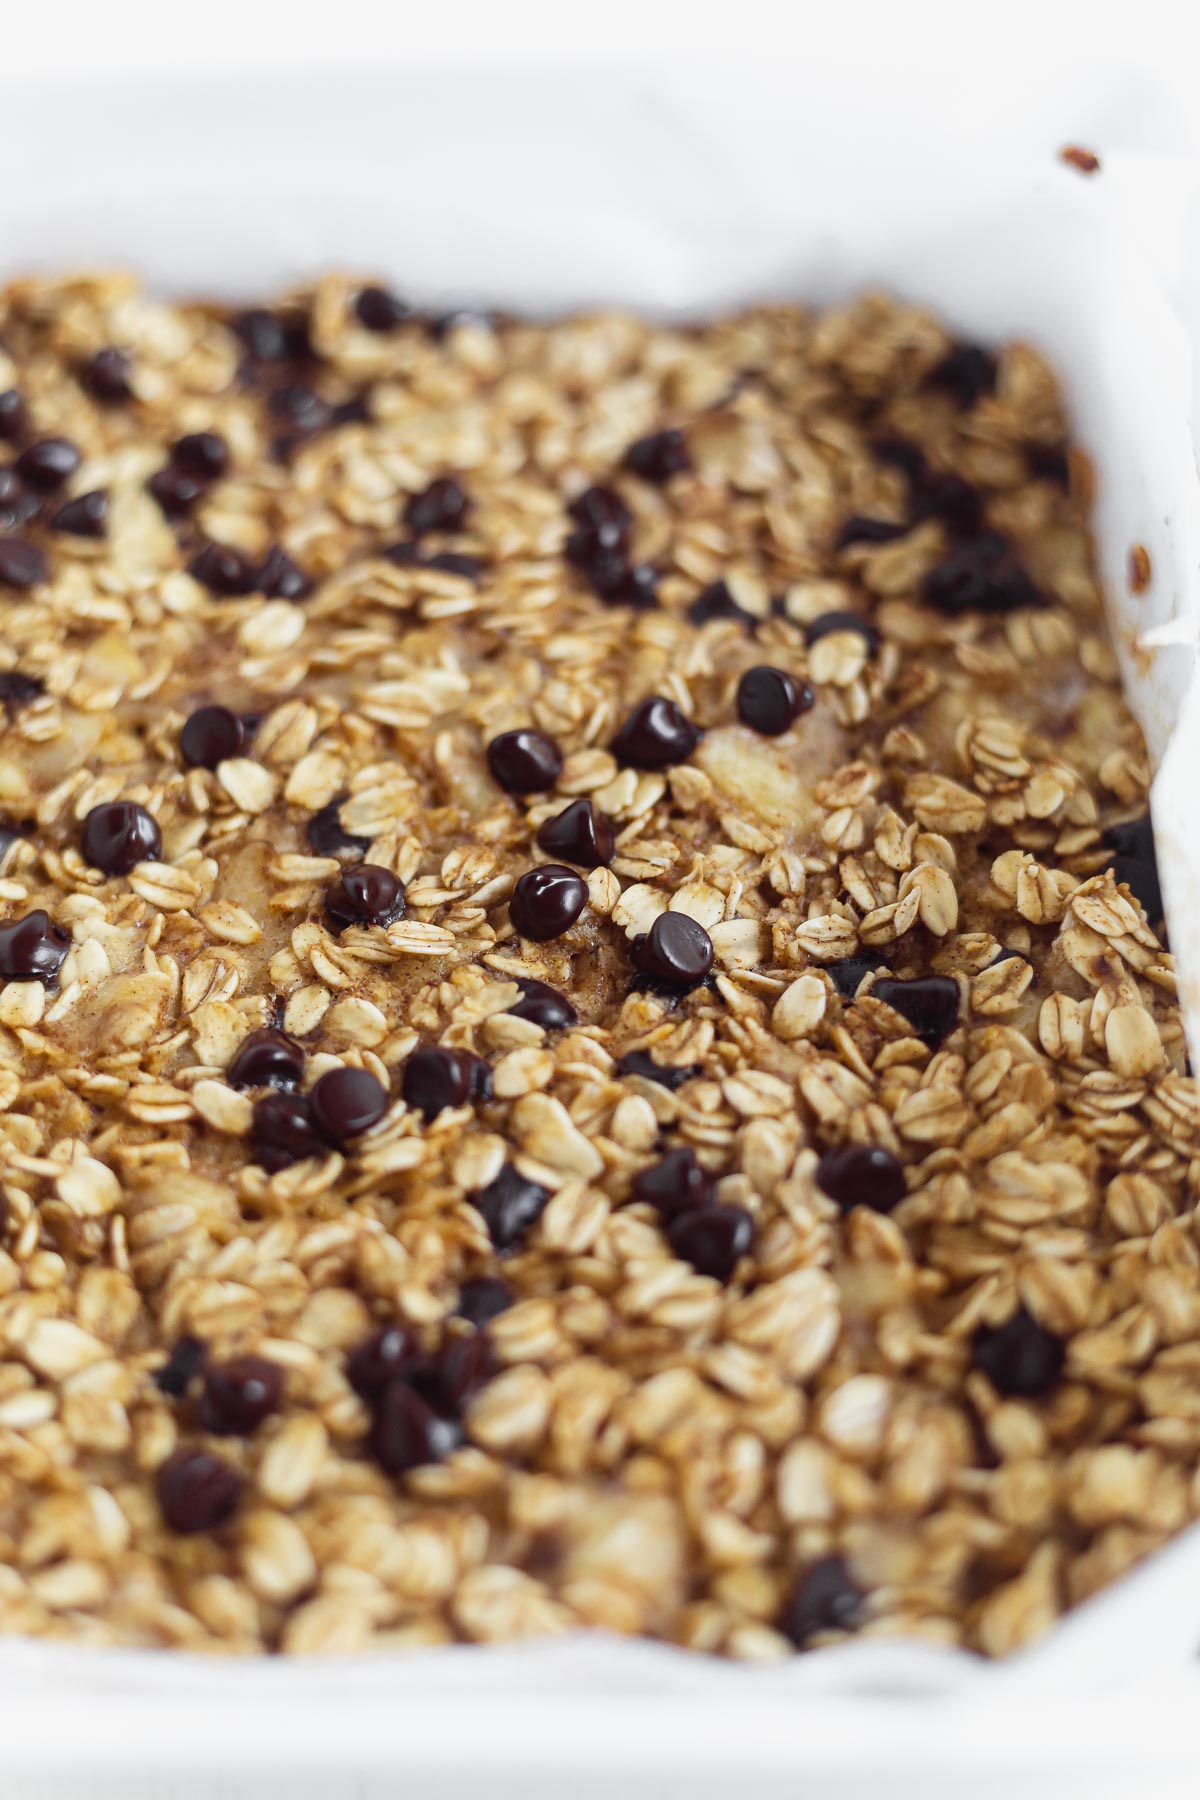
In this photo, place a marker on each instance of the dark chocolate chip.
(176, 490)
(378, 1360)
(1050, 462)
(675, 1184)
(32, 948)
(928, 1002)
(267, 1058)
(197, 1491)
(106, 376)
(211, 735)
(483, 1084)
(635, 587)
(119, 835)
(204, 454)
(367, 894)
(641, 1064)
(580, 835)
(283, 1132)
(281, 578)
(862, 1175)
(299, 408)
(849, 972)
(22, 565)
(712, 1239)
(327, 837)
(544, 1005)
(378, 309)
(966, 373)
(675, 953)
(18, 690)
(860, 530)
(435, 1078)
(716, 602)
(770, 700)
(524, 761)
(1019, 1357)
(657, 457)
(547, 901)
(14, 420)
(264, 334)
(352, 412)
(239, 1394)
(224, 570)
(85, 516)
(510, 1205)
(952, 500)
(47, 463)
(656, 735)
(406, 1431)
(18, 504)
(346, 1102)
(451, 1378)
(830, 622)
(184, 1362)
(981, 574)
(483, 1299)
(443, 506)
(900, 453)
(603, 510)
(825, 1598)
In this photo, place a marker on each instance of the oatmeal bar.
(586, 1035)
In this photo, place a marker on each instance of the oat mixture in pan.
(586, 1035)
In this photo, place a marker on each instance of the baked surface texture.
(815, 1253)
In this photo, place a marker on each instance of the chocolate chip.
(224, 570)
(547, 901)
(1136, 864)
(14, 420)
(283, 1132)
(849, 972)
(435, 1078)
(580, 835)
(1050, 462)
(1019, 1357)
(928, 1002)
(18, 690)
(830, 622)
(860, 530)
(300, 408)
(366, 895)
(281, 578)
(239, 1394)
(511, 1206)
(952, 500)
(450, 1378)
(264, 334)
(635, 587)
(712, 1239)
(641, 1064)
(184, 1362)
(18, 504)
(352, 412)
(862, 1175)
(47, 463)
(211, 735)
(483, 1299)
(966, 373)
(327, 837)
(676, 952)
(717, 602)
(524, 761)
(542, 1004)
(378, 1360)
(981, 574)
(197, 1491)
(770, 700)
(85, 516)
(483, 1085)
(455, 562)
(443, 506)
(119, 835)
(603, 510)
(267, 1058)
(204, 454)
(675, 1184)
(825, 1598)
(378, 309)
(346, 1102)
(600, 553)
(32, 948)
(900, 453)
(657, 457)
(106, 376)
(176, 490)
(656, 735)
(22, 565)
(407, 1432)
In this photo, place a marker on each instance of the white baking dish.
(677, 191)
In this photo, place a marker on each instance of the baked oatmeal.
(587, 1037)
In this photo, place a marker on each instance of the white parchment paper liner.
(679, 191)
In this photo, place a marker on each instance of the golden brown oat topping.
(794, 1231)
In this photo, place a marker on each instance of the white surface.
(677, 191)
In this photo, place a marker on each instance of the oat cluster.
(851, 1286)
